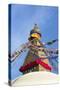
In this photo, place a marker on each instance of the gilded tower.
(36, 59)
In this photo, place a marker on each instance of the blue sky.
(23, 18)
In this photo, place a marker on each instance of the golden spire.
(35, 33)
